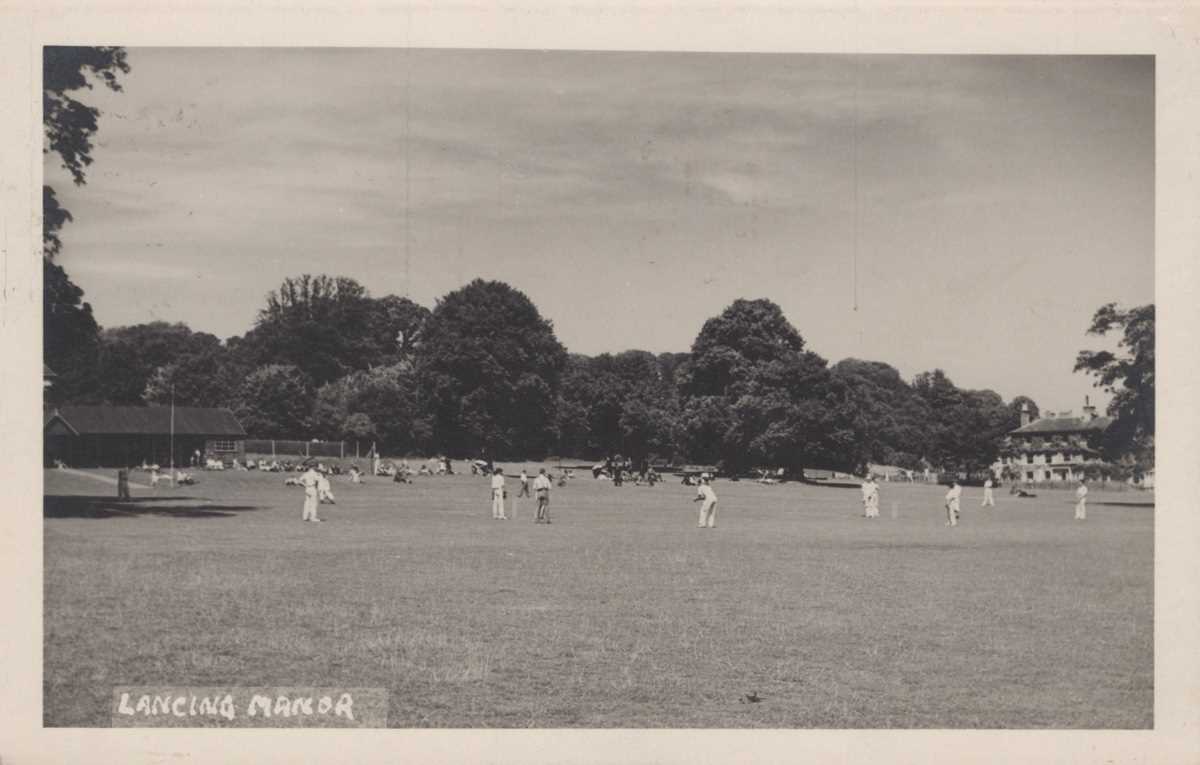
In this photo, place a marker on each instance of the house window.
(222, 446)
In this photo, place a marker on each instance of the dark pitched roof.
(1065, 425)
(147, 420)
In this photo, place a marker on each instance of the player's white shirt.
(524, 477)
(497, 482)
(954, 493)
(1081, 492)
(870, 489)
(541, 482)
(707, 493)
(987, 484)
(322, 482)
(311, 479)
(866, 489)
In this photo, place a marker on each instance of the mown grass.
(620, 614)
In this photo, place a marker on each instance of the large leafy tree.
(208, 375)
(330, 326)
(130, 357)
(752, 395)
(966, 428)
(490, 369)
(1128, 375)
(895, 416)
(274, 401)
(379, 404)
(626, 403)
(1015, 408)
(69, 123)
(70, 334)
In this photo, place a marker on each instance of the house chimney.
(1026, 417)
(1089, 411)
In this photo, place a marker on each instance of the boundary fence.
(286, 448)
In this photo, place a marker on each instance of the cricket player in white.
(309, 481)
(870, 492)
(498, 495)
(989, 500)
(324, 490)
(708, 510)
(952, 498)
(541, 487)
(1081, 501)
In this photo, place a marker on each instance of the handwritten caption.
(207, 707)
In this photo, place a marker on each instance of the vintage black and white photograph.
(403, 387)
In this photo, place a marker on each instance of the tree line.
(482, 372)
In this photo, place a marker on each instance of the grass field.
(620, 614)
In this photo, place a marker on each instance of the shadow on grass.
(81, 506)
(1124, 504)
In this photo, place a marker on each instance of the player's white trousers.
(708, 513)
(1081, 510)
(497, 504)
(310, 505)
(988, 499)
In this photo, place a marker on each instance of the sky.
(967, 213)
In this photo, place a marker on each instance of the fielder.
(988, 499)
(708, 510)
(1081, 501)
(309, 481)
(524, 492)
(870, 493)
(324, 490)
(541, 486)
(952, 498)
(498, 495)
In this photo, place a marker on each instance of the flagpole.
(172, 434)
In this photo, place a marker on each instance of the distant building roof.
(146, 420)
(1064, 425)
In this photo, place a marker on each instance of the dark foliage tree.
(894, 415)
(70, 336)
(490, 370)
(627, 403)
(379, 404)
(1129, 376)
(1017, 405)
(330, 326)
(966, 428)
(274, 401)
(206, 376)
(752, 396)
(70, 124)
(70, 333)
(129, 357)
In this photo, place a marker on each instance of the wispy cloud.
(607, 179)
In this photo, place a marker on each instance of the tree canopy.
(70, 124)
(752, 396)
(71, 341)
(1128, 375)
(490, 369)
